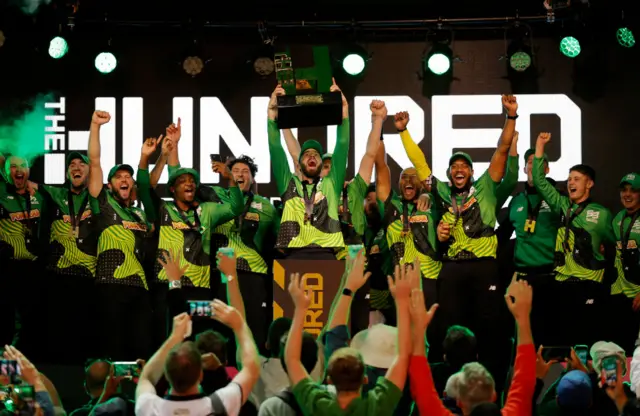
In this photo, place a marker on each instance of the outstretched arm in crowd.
(169, 149)
(144, 181)
(510, 180)
(383, 175)
(378, 116)
(499, 159)
(301, 302)
(548, 192)
(31, 376)
(293, 146)
(338, 170)
(95, 167)
(279, 162)
(356, 278)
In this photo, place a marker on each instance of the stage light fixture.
(438, 60)
(106, 62)
(570, 46)
(353, 59)
(625, 37)
(193, 65)
(437, 68)
(58, 47)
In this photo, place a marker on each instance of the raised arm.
(144, 180)
(95, 168)
(279, 162)
(383, 174)
(338, 170)
(293, 146)
(167, 148)
(301, 301)
(548, 192)
(378, 116)
(499, 159)
(415, 154)
(510, 180)
(355, 280)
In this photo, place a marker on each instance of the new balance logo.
(492, 287)
(589, 302)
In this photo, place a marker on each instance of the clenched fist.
(378, 109)
(100, 117)
(544, 138)
(444, 231)
(272, 111)
(400, 120)
(510, 104)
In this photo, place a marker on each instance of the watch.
(512, 117)
(347, 292)
(176, 284)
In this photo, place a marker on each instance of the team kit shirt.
(352, 217)
(626, 228)
(72, 238)
(411, 233)
(20, 217)
(310, 217)
(380, 264)
(123, 231)
(584, 228)
(509, 182)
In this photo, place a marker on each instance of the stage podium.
(323, 277)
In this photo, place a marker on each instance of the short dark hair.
(371, 187)
(253, 168)
(211, 341)
(346, 369)
(277, 330)
(585, 170)
(308, 352)
(183, 367)
(460, 346)
(96, 373)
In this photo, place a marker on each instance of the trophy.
(308, 101)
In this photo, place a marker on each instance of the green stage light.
(106, 62)
(353, 64)
(625, 37)
(520, 61)
(58, 47)
(570, 46)
(438, 63)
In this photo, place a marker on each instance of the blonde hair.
(475, 385)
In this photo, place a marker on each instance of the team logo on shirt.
(67, 218)
(466, 206)
(179, 226)
(252, 216)
(134, 226)
(257, 205)
(592, 216)
(374, 250)
(20, 216)
(416, 218)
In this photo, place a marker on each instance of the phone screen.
(354, 249)
(10, 369)
(556, 353)
(126, 369)
(582, 351)
(200, 308)
(216, 158)
(609, 369)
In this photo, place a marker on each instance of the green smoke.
(24, 136)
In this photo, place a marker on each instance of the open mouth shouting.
(19, 179)
(408, 190)
(573, 191)
(459, 179)
(189, 192)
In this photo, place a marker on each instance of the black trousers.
(124, 330)
(71, 299)
(624, 322)
(21, 307)
(257, 295)
(470, 293)
(543, 311)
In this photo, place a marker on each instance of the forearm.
(144, 162)
(340, 315)
(234, 295)
(174, 158)
(548, 193)
(404, 328)
(154, 368)
(279, 162)
(419, 344)
(338, 170)
(383, 175)
(416, 155)
(293, 347)
(525, 337)
(373, 142)
(236, 198)
(293, 146)
(157, 170)
(248, 351)
(93, 149)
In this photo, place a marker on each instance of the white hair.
(475, 385)
(453, 386)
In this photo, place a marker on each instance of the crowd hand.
(32, 187)
(272, 111)
(444, 231)
(170, 261)
(615, 391)
(100, 117)
(301, 298)
(542, 366)
(420, 316)
(519, 297)
(424, 202)
(357, 277)
(222, 169)
(181, 324)
(510, 104)
(111, 385)
(167, 146)
(174, 131)
(227, 315)
(574, 362)
(400, 120)
(210, 361)
(378, 109)
(226, 264)
(29, 372)
(543, 138)
(150, 145)
(406, 278)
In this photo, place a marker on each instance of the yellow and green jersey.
(20, 223)
(626, 228)
(352, 216)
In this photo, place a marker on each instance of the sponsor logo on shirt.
(257, 205)
(520, 209)
(20, 216)
(466, 206)
(416, 218)
(134, 226)
(374, 250)
(67, 218)
(592, 216)
(252, 216)
(179, 226)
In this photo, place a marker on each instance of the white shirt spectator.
(201, 405)
(635, 372)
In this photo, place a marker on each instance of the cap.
(533, 152)
(308, 145)
(116, 168)
(77, 155)
(183, 171)
(602, 349)
(574, 390)
(461, 155)
(327, 156)
(632, 179)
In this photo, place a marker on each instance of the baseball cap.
(574, 390)
(327, 156)
(308, 145)
(116, 168)
(77, 155)
(632, 179)
(602, 349)
(461, 155)
(533, 152)
(183, 171)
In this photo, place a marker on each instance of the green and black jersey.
(626, 228)
(410, 234)
(352, 217)
(20, 223)
(380, 264)
(321, 228)
(188, 233)
(73, 240)
(584, 229)
(472, 219)
(509, 182)
(122, 233)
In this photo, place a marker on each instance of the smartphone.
(354, 249)
(10, 369)
(582, 351)
(227, 251)
(200, 308)
(609, 369)
(126, 369)
(216, 158)
(556, 353)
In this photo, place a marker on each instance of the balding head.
(183, 367)
(96, 374)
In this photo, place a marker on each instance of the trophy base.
(311, 110)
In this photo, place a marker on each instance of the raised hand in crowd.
(575, 363)
(378, 109)
(272, 111)
(171, 264)
(513, 150)
(222, 169)
(227, 315)
(400, 120)
(510, 104)
(519, 297)
(444, 231)
(357, 276)
(424, 202)
(543, 366)
(100, 117)
(29, 373)
(174, 131)
(150, 145)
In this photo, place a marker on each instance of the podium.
(323, 277)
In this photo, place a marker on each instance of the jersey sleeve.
(338, 170)
(279, 162)
(220, 213)
(173, 169)
(549, 194)
(356, 192)
(509, 182)
(147, 195)
(416, 156)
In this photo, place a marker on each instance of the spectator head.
(476, 386)
(95, 375)
(378, 345)
(452, 387)
(574, 391)
(602, 349)
(213, 342)
(183, 368)
(308, 352)
(277, 330)
(459, 346)
(346, 370)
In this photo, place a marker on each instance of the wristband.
(347, 292)
(381, 137)
(400, 131)
(512, 117)
(176, 284)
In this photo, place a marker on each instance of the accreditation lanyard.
(309, 199)
(568, 219)
(532, 214)
(624, 235)
(196, 219)
(454, 204)
(75, 219)
(240, 218)
(345, 215)
(406, 217)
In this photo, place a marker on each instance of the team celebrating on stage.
(95, 270)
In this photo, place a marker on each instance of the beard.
(308, 174)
